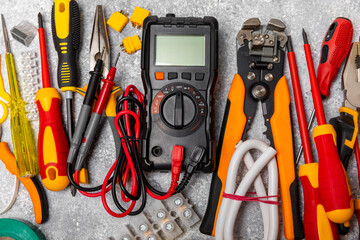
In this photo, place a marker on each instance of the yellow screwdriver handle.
(21, 132)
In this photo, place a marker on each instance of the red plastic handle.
(335, 47)
(53, 146)
(105, 91)
(316, 223)
(334, 188)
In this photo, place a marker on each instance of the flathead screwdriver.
(21, 132)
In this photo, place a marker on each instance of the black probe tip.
(40, 20)
(289, 45)
(305, 37)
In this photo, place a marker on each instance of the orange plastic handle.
(32, 185)
(53, 146)
(282, 135)
(316, 223)
(231, 133)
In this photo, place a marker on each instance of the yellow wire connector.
(138, 16)
(131, 44)
(118, 20)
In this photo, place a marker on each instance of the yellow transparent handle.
(21, 132)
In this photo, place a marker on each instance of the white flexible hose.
(229, 208)
(13, 198)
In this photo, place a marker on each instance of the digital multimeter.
(179, 61)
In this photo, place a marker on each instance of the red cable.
(129, 170)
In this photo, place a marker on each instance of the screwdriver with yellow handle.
(65, 24)
(53, 146)
(21, 132)
(333, 183)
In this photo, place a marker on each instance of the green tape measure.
(18, 230)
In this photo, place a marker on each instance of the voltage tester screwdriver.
(316, 223)
(334, 189)
(21, 132)
(65, 24)
(53, 146)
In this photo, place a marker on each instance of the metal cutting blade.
(100, 41)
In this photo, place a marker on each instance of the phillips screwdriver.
(65, 24)
(334, 190)
(53, 146)
(21, 132)
(335, 47)
(96, 116)
(316, 224)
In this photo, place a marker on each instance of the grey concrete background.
(85, 218)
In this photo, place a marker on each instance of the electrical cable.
(126, 170)
(229, 207)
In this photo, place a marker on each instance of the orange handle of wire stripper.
(232, 130)
(282, 135)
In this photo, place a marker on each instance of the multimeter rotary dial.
(179, 106)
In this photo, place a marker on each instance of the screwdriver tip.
(117, 59)
(289, 45)
(305, 36)
(40, 21)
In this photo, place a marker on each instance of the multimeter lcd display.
(180, 50)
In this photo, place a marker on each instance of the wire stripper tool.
(260, 62)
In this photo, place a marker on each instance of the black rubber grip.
(344, 128)
(95, 78)
(43, 199)
(295, 203)
(68, 47)
(208, 222)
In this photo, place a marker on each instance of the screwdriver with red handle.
(316, 223)
(53, 146)
(334, 48)
(334, 190)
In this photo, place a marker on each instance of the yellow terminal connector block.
(138, 16)
(118, 20)
(131, 44)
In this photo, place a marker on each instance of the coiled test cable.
(230, 204)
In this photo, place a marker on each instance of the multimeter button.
(186, 75)
(159, 75)
(199, 76)
(172, 75)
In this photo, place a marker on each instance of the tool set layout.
(170, 127)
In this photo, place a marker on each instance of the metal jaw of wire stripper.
(260, 62)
